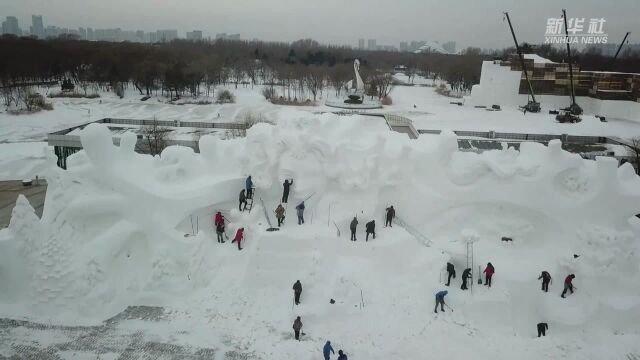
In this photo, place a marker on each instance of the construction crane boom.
(574, 108)
(533, 105)
(620, 47)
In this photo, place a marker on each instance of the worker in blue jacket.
(440, 300)
(327, 350)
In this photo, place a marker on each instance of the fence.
(174, 123)
(572, 139)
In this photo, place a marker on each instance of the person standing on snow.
(440, 300)
(297, 326)
(546, 279)
(285, 193)
(353, 226)
(300, 212)
(280, 214)
(327, 350)
(239, 237)
(243, 200)
(341, 355)
(568, 284)
(249, 186)
(391, 214)
(219, 222)
(451, 270)
(370, 227)
(297, 291)
(542, 328)
(466, 274)
(488, 271)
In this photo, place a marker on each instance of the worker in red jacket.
(218, 220)
(488, 271)
(239, 237)
(568, 284)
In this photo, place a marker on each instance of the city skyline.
(38, 29)
(388, 23)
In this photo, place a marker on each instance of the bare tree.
(383, 83)
(7, 96)
(338, 76)
(315, 80)
(155, 137)
(634, 149)
(238, 73)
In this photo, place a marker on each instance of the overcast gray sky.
(468, 22)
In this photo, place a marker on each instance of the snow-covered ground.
(113, 235)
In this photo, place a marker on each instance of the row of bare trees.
(303, 69)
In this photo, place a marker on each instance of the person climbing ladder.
(249, 186)
(243, 200)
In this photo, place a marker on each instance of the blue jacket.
(327, 349)
(300, 209)
(442, 294)
(248, 183)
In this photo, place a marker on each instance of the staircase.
(413, 231)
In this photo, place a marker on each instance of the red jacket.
(239, 235)
(489, 270)
(218, 220)
(568, 280)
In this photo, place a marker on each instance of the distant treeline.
(295, 70)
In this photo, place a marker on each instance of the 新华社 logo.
(579, 31)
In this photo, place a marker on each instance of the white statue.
(359, 83)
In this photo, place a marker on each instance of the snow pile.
(113, 234)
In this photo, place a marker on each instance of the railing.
(174, 123)
(573, 139)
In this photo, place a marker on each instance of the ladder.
(250, 200)
(470, 263)
(413, 231)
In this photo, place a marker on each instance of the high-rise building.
(225, 36)
(371, 44)
(404, 46)
(10, 26)
(90, 35)
(361, 44)
(166, 35)
(82, 32)
(194, 35)
(37, 27)
(140, 36)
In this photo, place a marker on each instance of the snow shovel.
(479, 275)
(448, 307)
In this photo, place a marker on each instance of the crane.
(620, 47)
(532, 105)
(571, 113)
